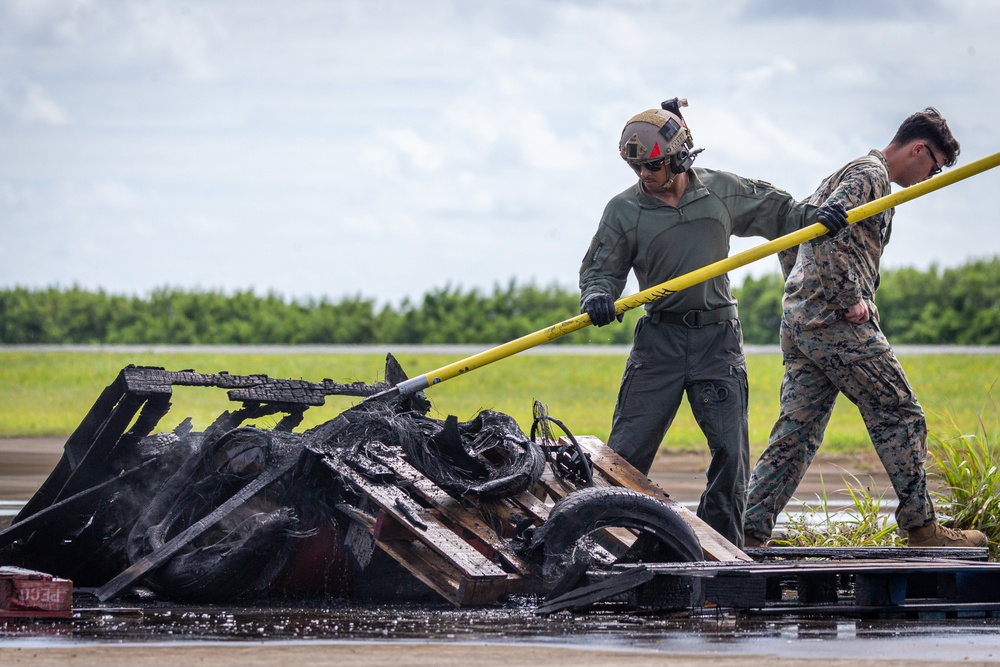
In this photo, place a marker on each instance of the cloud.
(16, 196)
(116, 195)
(404, 147)
(763, 74)
(388, 147)
(46, 21)
(39, 108)
(850, 11)
(177, 39)
(150, 38)
(28, 103)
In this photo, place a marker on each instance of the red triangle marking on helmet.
(656, 150)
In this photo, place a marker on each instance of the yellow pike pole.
(688, 279)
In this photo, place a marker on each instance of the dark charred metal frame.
(129, 409)
(437, 538)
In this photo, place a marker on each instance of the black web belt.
(694, 318)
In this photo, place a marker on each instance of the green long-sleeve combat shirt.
(825, 278)
(641, 233)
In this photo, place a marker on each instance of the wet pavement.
(513, 623)
(133, 621)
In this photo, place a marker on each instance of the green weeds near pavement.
(967, 465)
(859, 523)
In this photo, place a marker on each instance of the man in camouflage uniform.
(831, 343)
(674, 220)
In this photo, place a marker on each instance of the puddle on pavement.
(515, 622)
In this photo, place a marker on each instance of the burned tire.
(488, 457)
(664, 534)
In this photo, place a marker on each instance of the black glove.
(833, 215)
(601, 308)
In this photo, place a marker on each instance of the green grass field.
(48, 393)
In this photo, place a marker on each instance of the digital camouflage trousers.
(820, 363)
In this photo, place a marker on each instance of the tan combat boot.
(751, 542)
(936, 535)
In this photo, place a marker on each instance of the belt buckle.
(692, 325)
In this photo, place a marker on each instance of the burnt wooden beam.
(75, 448)
(420, 523)
(587, 596)
(453, 510)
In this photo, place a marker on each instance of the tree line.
(950, 306)
(955, 306)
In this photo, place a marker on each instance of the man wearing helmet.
(675, 219)
(831, 343)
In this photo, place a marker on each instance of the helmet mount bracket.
(682, 160)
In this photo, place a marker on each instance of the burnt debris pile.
(381, 502)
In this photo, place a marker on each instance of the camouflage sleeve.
(835, 257)
(787, 259)
(606, 265)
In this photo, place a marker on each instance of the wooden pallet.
(889, 586)
(450, 546)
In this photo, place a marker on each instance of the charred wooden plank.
(916, 585)
(876, 589)
(817, 588)
(146, 380)
(554, 486)
(76, 448)
(744, 569)
(435, 535)
(426, 565)
(740, 592)
(531, 504)
(586, 596)
(442, 575)
(453, 510)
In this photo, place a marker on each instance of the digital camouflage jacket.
(826, 276)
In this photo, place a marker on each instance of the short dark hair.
(929, 125)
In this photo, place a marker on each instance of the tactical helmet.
(659, 133)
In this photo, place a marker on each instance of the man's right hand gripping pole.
(601, 309)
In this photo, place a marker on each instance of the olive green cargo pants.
(707, 363)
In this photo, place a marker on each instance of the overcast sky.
(325, 148)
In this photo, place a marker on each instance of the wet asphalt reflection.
(710, 632)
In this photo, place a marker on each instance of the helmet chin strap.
(662, 188)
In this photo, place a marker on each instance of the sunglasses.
(937, 165)
(652, 166)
